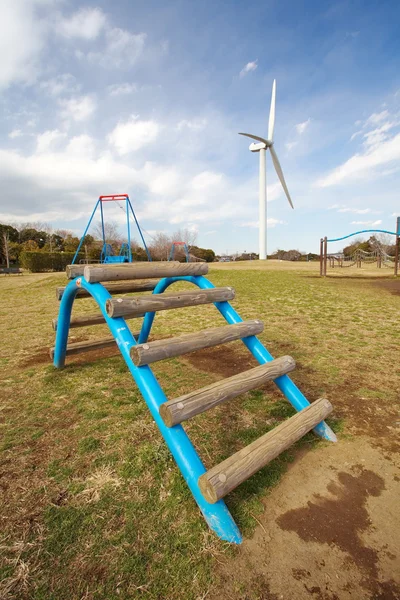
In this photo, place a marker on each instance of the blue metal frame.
(217, 515)
(172, 251)
(363, 231)
(128, 207)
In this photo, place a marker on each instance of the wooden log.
(88, 320)
(79, 347)
(185, 407)
(119, 307)
(223, 478)
(144, 354)
(121, 287)
(139, 270)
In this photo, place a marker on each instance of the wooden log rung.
(87, 346)
(89, 320)
(223, 478)
(144, 354)
(120, 287)
(140, 270)
(185, 407)
(119, 307)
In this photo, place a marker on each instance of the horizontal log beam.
(119, 307)
(144, 354)
(121, 287)
(140, 270)
(73, 271)
(89, 320)
(223, 478)
(185, 407)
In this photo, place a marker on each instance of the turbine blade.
(279, 172)
(271, 122)
(255, 137)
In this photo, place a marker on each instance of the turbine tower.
(261, 147)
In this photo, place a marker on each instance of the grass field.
(92, 504)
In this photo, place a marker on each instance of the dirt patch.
(328, 531)
(339, 520)
(391, 285)
(224, 361)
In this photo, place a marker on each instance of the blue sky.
(148, 98)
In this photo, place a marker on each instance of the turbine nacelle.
(257, 147)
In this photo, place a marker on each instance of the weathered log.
(139, 270)
(79, 347)
(223, 478)
(88, 320)
(187, 406)
(121, 287)
(144, 354)
(119, 307)
(73, 271)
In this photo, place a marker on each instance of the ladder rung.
(222, 479)
(119, 307)
(87, 346)
(121, 287)
(144, 354)
(78, 347)
(185, 407)
(88, 320)
(140, 270)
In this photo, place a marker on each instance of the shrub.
(37, 262)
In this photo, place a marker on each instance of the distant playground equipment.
(180, 245)
(107, 253)
(360, 257)
(104, 283)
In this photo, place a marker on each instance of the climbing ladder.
(207, 487)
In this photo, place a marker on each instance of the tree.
(189, 236)
(111, 232)
(160, 246)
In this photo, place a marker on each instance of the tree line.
(18, 244)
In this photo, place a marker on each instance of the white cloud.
(15, 133)
(22, 38)
(364, 165)
(86, 23)
(301, 127)
(376, 118)
(193, 125)
(60, 85)
(78, 108)
(122, 49)
(290, 145)
(133, 134)
(358, 211)
(49, 140)
(366, 222)
(251, 66)
(121, 89)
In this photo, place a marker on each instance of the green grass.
(96, 507)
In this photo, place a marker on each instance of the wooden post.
(144, 354)
(397, 250)
(222, 479)
(120, 287)
(321, 256)
(143, 269)
(325, 254)
(185, 407)
(119, 307)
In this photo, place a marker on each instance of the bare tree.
(160, 246)
(111, 232)
(6, 242)
(189, 236)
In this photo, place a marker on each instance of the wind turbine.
(261, 147)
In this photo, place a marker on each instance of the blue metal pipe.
(129, 229)
(86, 230)
(258, 350)
(217, 515)
(140, 231)
(364, 231)
(102, 221)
